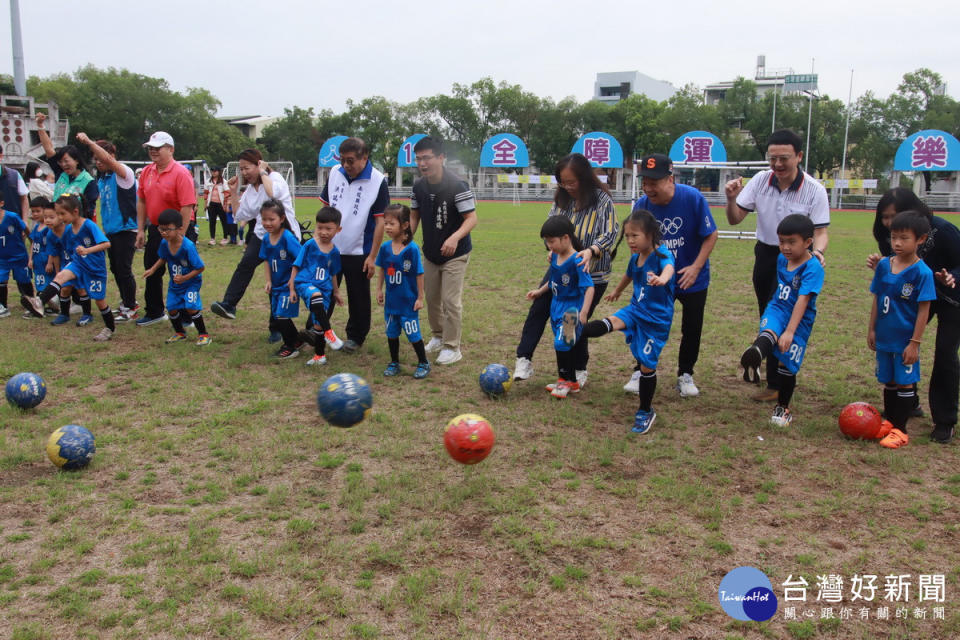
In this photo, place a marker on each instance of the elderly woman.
(263, 183)
(941, 252)
(586, 201)
(70, 170)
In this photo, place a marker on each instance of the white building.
(612, 87)
(250, 126)
(766, 80)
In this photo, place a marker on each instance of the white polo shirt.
(254, 196)
(805, 196)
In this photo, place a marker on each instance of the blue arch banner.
(601, 149)
(405, 152)
(504, 150)
(329, 155)
(698, 147)
(928, 150)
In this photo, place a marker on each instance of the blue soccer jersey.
(280, 258)
(685, 222)
(185, 260)
(898, 298)
(652, 303)
(400, 273)
(568, 285)
(55, 246)
(38, 247)
(317, 268)
(807, 279)
(12, 249)
(88, 235)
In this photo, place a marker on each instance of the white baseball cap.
(159, 139)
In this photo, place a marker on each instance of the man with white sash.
(360, 193)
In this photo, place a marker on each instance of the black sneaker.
(349, 346)
(286, 352)
(750, 361)
(916, 412)
(942, 434)
(224, 311)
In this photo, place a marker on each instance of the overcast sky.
(259, 57)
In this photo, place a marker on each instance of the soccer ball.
(860, 421)
(344, 399)
(495, 380)
(468, 438)
(26, 390)
(71, 447)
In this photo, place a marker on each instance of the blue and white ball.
(344, 399)
(71, 447)
(495, 380)
(26, 390)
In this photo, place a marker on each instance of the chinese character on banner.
(883, 613)
(830, 588)
(795, 589)
(826, 613)
(903, 613)
(919, 614)
(929, 152)
(505, 153)
(860, 583)
(932, 588)
(846, 613)
(939, 613)
(697, 149)
(864, 613)
(790, 613)
(896, 588)
(597, 150)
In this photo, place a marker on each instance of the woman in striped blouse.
(586, 201)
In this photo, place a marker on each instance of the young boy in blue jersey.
(646, 321)
(185, 266)
(399, 259)
(56, 260)
(39, 253)
(572, 290)
(903, 288)
(13, 258)
(313, 279)
(85, 244)
(788, 318)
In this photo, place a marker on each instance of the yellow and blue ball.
(71, 447)
(344, 399)
(495, 380)
(26, 390)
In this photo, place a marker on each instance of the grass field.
(220, 505)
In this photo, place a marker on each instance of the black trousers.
(123, 245)
(214, 212)
(691, 328)
(945, 375)
(358, 297)
(539, 315)
(243, 274)
(153, 287)
(764, 286)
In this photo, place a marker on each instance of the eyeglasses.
(424, 157)
(167, 229)
(780, 159)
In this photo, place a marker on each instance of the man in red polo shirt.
(165, 184)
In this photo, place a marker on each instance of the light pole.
(806, 155)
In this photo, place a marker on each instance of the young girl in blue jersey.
(313, 279)
(788, 318)
(646, 321)
(399, 259)
(572, 290)
(185, 267)
(903, 288)
(13, 258)
(39, 253)
(279, 250)
(85, 246)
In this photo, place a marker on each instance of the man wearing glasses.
(774, 194)
(164, 184)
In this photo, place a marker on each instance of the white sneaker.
(523, 369)
(75, 309)
(633, 386)
(332, 340)
(4, 312)
(435, 344)
(686, 386)
(448, 356)
(581, 377)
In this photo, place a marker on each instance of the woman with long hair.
(581, 197)
(70, 169)
(215, 196)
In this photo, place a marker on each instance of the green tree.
(294, 138)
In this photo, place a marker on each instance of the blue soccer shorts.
(408, 324)
(20, 272)
(95, 285)
(890, 368)
(281, 306)
(566, 329)
(646, 339)
(776, 320)
(188, 300)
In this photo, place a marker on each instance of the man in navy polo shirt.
(689, 231)
(360, 193)
(774, 194)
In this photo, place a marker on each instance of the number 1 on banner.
(408, 152)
